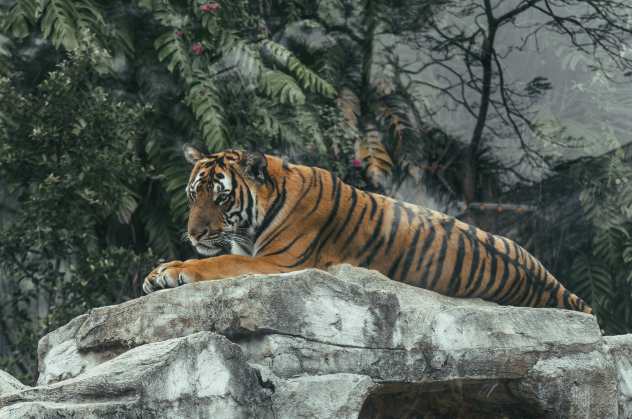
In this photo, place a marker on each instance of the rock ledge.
(347, 343)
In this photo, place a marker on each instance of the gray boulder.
(202, 375)
(347, 343)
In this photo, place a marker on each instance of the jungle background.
(511, 115)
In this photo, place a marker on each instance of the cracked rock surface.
(347, 343)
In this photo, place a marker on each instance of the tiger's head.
(222, 194)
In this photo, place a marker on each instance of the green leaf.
(21, 13)
(275, 83)
(591, 281)
(303, 74)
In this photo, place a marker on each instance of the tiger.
(256, 213)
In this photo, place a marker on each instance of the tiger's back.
(407, 243)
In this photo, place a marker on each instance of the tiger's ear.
(254, 165)
(192, 154)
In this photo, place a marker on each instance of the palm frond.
(371, 150)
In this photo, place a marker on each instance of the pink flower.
(356, 162)
(206, 8)
(203, 90)
(214, 7)
(313, 148)
(179, 33)
(197, 49)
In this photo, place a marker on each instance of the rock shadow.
(472, 399)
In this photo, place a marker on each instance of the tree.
(477, 47)
(466, 37)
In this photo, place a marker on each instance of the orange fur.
(287, 217)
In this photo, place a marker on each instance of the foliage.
(67, 153)
(322, 83)
(602, 273)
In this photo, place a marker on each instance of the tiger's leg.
(176, 273)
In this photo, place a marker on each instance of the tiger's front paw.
(169, 275)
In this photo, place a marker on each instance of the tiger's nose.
(197, 234)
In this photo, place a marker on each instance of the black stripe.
(444, 249)
(427, 243)
(534, 290)
(309, 187)
(335, 228)
(373, 206)
(357, 227)
(373, 253)
(491, 277)
(250, 208)
(320, 195)
(354, 201)
(567, 296)
(539, 287)
(423, 283)
(502, 284)
(527, 288)
(286, 247)
(517, 250)
(491, 239)
(512, 291)
(410, 256)
(271, 239)
(376, 233)
(312, 183)
(334, 183)
(277, 205)
(481, 275)
(332, 215)
(455, 279)
(241, 199)
(394, 266)
(394, 224)
(410, 213)
(475, 256)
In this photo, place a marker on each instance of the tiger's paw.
(169, 275)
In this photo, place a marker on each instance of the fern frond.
(162, 238)
(591, 281)
(273, 83)
(371, 150)
(171, 44)
(62, 19)
(21, 14)
(396, 120)
(331, 61)
(59, 22)
(349, 105)
(608, 243)
(303, 74)
(205, 102)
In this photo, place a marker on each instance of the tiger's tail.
(543, 290)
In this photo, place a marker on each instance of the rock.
(9, 384)
(344, 343)
(620, 348)
(337, 396)
(202, 375)
(59, 358)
